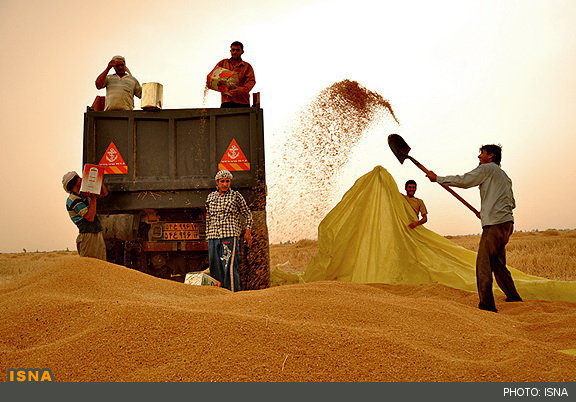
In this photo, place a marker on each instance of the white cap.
(223, 174)
(67, 178)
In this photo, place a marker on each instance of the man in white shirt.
(497, 203)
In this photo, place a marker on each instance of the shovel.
(401, 149)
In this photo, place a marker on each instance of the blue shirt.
(77, 206)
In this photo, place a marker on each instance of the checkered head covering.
(223, 174)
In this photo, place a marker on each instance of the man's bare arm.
(91, 214)
(423, 220)
(104, 191)
(420, 222)
(101, 79)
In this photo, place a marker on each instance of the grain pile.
(317, 147)
(89, 320)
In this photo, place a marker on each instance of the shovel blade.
(398, 147)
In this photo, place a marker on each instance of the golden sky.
(459, 74)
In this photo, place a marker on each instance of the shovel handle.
(454, 193)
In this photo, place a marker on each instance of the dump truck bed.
(171, 156)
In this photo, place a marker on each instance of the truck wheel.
(134, 257)
(165, 272)
(115, 251)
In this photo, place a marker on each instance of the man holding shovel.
(497, 203)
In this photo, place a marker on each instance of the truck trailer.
(160, 167)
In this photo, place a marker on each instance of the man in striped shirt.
(497, 202)
(120, 87)
(225, 209)
(82, 211)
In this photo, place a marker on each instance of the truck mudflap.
(255, 261)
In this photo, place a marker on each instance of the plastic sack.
(365, 238)
(222, 80)
(200, 279)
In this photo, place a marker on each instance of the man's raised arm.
(467, 180)
(101, 79)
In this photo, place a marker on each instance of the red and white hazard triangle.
(234, 159)
(112, 161)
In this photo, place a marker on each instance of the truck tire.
(114, 251)
(134, 257)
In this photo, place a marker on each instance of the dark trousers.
(223, 255)
(234, 104)
(492, 259)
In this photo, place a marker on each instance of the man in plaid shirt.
(224, 210)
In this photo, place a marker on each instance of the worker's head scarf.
(68, 177)
(223, 174)
(121, 58)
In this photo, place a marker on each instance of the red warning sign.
(234, 159)
(112, 161)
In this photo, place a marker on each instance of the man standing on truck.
(416, 203)
(120, 87)
(82, 211)
(239, 96)
(497, 202)
(224, 210)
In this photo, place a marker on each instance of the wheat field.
(550, 254)
(13, 266)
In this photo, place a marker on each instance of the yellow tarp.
(366, 239)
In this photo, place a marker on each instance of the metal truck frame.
(154, 216)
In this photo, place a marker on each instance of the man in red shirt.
(238, 96)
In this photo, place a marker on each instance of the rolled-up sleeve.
(250, 80)
(467, 180)
(423, 209)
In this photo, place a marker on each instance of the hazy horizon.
(458, 75)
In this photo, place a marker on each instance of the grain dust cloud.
(317, 147)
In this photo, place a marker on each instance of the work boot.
(513, 299)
